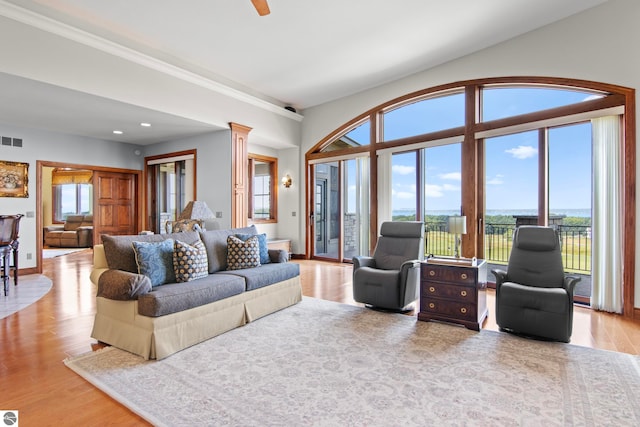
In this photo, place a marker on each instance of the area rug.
(328, 364)
(53, 253)
(30, 289)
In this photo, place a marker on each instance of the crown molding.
(52, 26)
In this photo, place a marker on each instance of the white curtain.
(608, 226)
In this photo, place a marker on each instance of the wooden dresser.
(454, 293)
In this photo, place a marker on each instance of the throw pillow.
(190, 261)
(262, 244)
(155, 260)
(242, 254)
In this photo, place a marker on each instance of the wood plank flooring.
(35, 341)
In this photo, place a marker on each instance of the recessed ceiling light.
(145, 124)
(118, 132)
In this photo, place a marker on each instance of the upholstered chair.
(534, 296)
(390, 278)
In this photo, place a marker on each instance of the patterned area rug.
(328, 364)
(52, 253)
(30, 289)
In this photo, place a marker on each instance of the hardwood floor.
(36, 340)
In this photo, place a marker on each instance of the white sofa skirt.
(118, 323)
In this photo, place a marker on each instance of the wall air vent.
(9, 141)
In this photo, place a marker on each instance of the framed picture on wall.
(14, 179)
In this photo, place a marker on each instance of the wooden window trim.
(273, 194)
(614, 95)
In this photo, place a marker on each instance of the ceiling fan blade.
(261, 6)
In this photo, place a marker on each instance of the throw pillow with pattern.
(262, 244)
(242, 254)
(190, 261)
(155, 260)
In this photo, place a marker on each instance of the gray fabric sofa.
(157, 322)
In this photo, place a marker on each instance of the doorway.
(115, 204)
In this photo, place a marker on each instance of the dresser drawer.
(446, 274)
(449, 291)
(452, 309)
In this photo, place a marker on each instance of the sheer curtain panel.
(608, 225)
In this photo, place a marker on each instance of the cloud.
(523, 151)
(450, 187)
(431, 190)
(496, 180)
(452, 176)
(403, 170)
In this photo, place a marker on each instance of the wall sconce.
(286, 181)
(457, 226)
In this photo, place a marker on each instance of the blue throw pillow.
(262, 244)
(155, 260)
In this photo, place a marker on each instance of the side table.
(454, 292)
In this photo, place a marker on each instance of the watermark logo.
(9, 418)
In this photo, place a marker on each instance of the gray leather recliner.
(390, 278)
(534, 297)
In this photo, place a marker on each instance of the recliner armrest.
(570, 283)
(501, 276)
(363, 261)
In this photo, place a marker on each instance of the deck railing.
(575, 244)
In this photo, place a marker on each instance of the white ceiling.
(304, 53)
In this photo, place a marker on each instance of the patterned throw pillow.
(155, 260)
(190, 262)
(262, 244)
(242, 254)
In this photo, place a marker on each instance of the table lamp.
(196, 209)
(457, 226)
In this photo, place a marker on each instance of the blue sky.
(511, 161)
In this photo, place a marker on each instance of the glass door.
(341, 209)
(511, 192)
(570, 200)
(172, 186)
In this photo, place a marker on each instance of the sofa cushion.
(189, 262)
(122, 285)
(265, 275)
(262, 246)
(155, 260)
(172, 298)
(119, 250)
(242, 253)
(216, 243)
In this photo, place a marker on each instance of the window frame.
(273, 188)
(56, 189)
(475, 130)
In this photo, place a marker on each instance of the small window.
(72, 193)
(501, 102)
(356, 137)
(424, 116)
(263, 179)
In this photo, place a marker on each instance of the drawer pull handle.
(464, 276)
(463, 310)
(432, 273)
(463, 293)
(432, 289)
(432, 305)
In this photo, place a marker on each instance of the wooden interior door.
(116, 208)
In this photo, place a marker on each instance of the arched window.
(500, 151)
